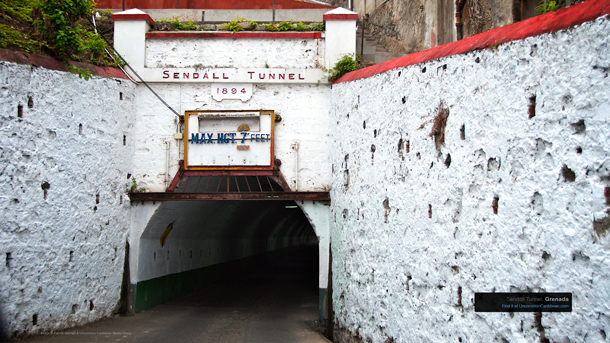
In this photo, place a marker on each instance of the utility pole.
(273, 20)
(362, 38)
(362, 32)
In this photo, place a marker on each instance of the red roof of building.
(210, 4)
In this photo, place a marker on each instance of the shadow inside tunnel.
(290, 273)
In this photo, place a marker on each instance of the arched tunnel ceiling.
(227, 219)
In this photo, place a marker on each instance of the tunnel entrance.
(221, 217)
(274, 301)
(189, 246)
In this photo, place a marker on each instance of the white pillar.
(319, 218)
(340, 35)
(140, 216)
(130, 29)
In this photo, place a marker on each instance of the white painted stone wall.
(235, 53)
(303, 108)
(413, 232)
(63, 253)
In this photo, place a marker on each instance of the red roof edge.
(134, 17)
(54, 64)
(340, 17)
(255, 34)
(555, 21)
(211, 4)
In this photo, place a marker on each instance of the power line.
(138, 75)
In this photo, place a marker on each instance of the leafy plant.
(184, 25)
(285, 26)
(13, 38)
(270, 27)
(54, 27)
(179, 25)
(134, 187)
(187, 26)
(317, 26)
(292, 26)
(19, 11)
(344, 65)
(116, 61)
(301, 27)
(60, 28)
(547, 6)
(95, 48)
(82, 73)
(236, 24)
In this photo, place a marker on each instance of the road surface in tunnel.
(276, 302)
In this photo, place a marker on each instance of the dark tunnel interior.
(190, 245)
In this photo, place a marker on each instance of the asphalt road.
(277, 303)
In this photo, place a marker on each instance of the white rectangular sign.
(235, 75)
(228, 139)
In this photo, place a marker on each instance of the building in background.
(411, 26)
(211, 11)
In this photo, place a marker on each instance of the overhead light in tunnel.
(291, 206)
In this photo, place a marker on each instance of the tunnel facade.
(245, 106)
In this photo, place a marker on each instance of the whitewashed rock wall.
(414, 234)
(63, 182)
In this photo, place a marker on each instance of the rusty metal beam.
(275, 174)
(227, 172)
(279, 178)
(169, 196)
(177, 177)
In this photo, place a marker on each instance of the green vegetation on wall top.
(344, 65)
(61, 29)
(292, 26)
(240, 23)
(179, 25)
(236, 25)
(547, 6)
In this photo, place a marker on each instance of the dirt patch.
(601, 226)
(342, 335)
(438, 126)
